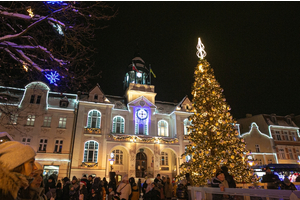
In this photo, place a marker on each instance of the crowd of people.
(21, 178)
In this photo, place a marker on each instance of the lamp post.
(111, 161)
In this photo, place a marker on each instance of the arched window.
(118, 156)
(164, 158)
(118, 124)
(163, 128)
(94, 119)
(91, 151)
(186, 124)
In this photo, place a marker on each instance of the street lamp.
(111, 161)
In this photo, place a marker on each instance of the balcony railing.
(96, 131)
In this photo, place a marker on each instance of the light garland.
(141, 139)
(30, 13)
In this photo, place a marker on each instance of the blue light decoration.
(54, 2)
(53, 77)
(142, 114)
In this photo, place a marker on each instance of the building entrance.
(141, 165)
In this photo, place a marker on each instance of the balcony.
(143, 138)
(94, 131)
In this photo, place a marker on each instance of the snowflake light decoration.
(53, 77)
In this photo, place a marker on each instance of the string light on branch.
(25, 67)
(53, 77)
(200, 49)
(30, 13)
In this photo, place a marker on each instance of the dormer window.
(96, 97)
(32, 98)
(288, 120)
(64, 103)
(38, 100)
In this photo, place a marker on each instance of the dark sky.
(253, 48)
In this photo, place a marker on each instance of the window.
(278, 137)
(91, 151)
(270, 161)
(164, 158)
(291, 154)
(285, 135)
(47, 121)
(62, 122)
(118, 124)
(257, 149)
(26, 140)
(38, 100)
(259, 162)
(294, 136)
(58, 146)
(32, 98)
(94, 119)
(30, 120)
(13, 118)
(163, 128)
(96, 97)
(118, 155)
(186, 125)
(281, 153)
(43, 145)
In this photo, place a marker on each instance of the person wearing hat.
(220, 182)
(34, 191)
(270, 178)
(66, 188)
(287, 185)
(228, 177)
(16, 166)
(124, 189)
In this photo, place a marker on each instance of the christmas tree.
(213, 139)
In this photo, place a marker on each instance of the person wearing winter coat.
(50, 188)
(66, 188)
(83, 193)
(16, 166)
(124, 189)
(153, 193)
(111, 193)
(181, 190)
(287, 185)
(168, 189)
(34, 191)
(105, 184)
(228, 177)
(135, 195)
(94, 195)
(74, 183)
(220, 182)
(58, 192)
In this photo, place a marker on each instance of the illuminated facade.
(42, 119)
(138, 135)
(271, 138)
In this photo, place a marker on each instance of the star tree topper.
(200, 47)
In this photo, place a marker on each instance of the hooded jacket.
(10, 183)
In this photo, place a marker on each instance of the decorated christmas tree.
(213, 138)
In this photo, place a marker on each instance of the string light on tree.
(53, 77)
(213, 138)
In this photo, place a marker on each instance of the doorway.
(141, 165)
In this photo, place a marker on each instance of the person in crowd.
(168, 189)
(228, 177)
(175, 184)
(94, 195)
(16, 166)
(66, 188)
(270, 178)
(181, 191)
(134, 191)
(220, 182)
(146, 187)
(152, 192)
(59, 193)
(35, 191)
(139, 184)
(131, 182)
(96, 186)
(51, 188)
(111, 194)
(103, 190)
(83, 193)
(112, 183)
(74, 183)
(105, 184)
(189, 180)
(89, 183)
(158, 179)
(83, 179)
(287, 185)
(124, 189)
(161, 187)
(74, 193)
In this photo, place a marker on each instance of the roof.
(279, 120)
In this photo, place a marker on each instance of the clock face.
(142, 114)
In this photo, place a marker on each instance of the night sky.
(253, 48)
